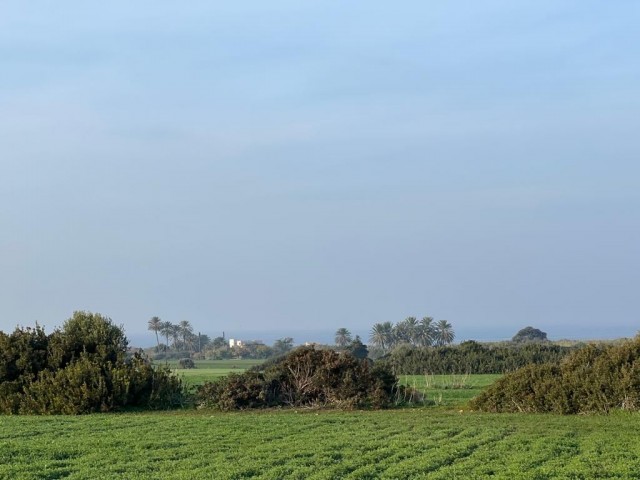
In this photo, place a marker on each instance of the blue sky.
(303, 166)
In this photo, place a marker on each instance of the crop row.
(413, 443)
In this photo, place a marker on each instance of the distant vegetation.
(411, 331)
(595, 378)
(471, 357)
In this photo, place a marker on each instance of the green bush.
(80, 368)
(305, 377)
(591, 379)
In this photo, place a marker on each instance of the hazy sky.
(290, 166)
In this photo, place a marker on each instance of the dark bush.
(305, 377)
(592, 379)
(81, 368)
(186, 363)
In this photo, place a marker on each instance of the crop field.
(400, 444)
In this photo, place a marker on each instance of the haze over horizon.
(284, 166)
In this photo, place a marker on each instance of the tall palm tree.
(382, 335)
(444, 333)
(186, 330)
(165, 330)
(427, 332)
(175, 335)
(343, 337)
(154, 325)
(412, 330)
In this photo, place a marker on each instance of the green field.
(403, 444)
(209, 369)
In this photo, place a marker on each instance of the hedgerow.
(591, 379)
(471, 357)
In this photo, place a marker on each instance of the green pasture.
(209, 370)
(306, 444)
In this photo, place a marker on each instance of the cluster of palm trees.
(423, 333)
(181, 334)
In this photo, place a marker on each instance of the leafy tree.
(530, 334)
(357, 348)
(283, 345)
(91, 334)
(82, 367)
(155, 324)
(444, 334)
(343, 337)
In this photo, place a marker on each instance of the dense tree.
(282, 345)
(357, 348)
(529, 334)
(154, 325)
(342, 337)
(82, 367)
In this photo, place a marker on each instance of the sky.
(288, 168)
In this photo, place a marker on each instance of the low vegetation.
(305, 377)
(593, 379)
(319, 445)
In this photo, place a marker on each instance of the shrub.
(81, 368)
(186, 363)
(305, 377)
(592, 379)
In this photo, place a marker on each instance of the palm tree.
(154, 325)
(343, 337)
(411, 330)
(427, 332)
(165, 330)
(382, 335)
(175, 335)
(185, 329)
(444, 333)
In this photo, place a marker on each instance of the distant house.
(235, 343)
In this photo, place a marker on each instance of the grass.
(399, 444)
(209, 369)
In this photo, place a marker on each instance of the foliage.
(471, 357)
(530, 334)
(80, 368)
(591, 379)
(305, 377)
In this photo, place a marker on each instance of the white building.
(234, 343)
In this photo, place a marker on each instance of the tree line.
(411, 331)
